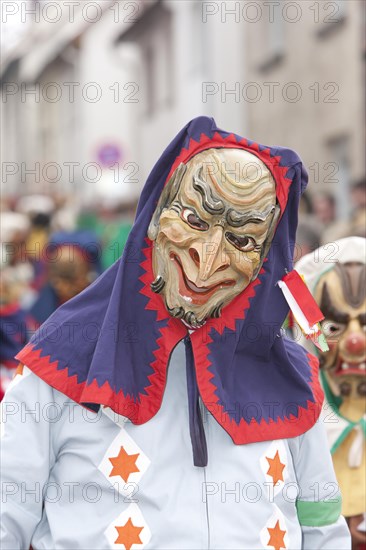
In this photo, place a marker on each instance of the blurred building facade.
(95, 95)
(309, 65)
(90, 101)
(56, 109)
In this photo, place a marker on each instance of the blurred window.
(276, 36)
(273, 44)
(157, 57)
(150, 79)
(339, 151)
(198, 38)
(152, 34)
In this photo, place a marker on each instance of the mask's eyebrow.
(210, 203)
(329, 310)
(238, 219)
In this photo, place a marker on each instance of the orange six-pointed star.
(124, 464)
(128, 534)
(275, 469)
(276, 537)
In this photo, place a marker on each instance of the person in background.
(336, 275)
(324, 206)
(39, 209)
(358, 195)
(307, 238)
(305, 206)
(15, 278)
(358, 199)
(116, 233)
(73, 262)
(325, 211)
(112, 223)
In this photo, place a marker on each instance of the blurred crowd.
(52, 249)
(319, 223)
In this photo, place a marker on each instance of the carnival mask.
(341, 295)
(212, 229)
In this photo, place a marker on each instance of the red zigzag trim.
(149, 403)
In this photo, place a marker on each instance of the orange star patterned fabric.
(276, 468)
(128, 534)
(276, 537)
(124, 464)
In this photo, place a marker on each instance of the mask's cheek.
(245, 263)
(175, 231)
(328, 359)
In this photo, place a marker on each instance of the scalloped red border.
(254, 431)
(149, 403)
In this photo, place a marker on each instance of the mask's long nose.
(212, 254)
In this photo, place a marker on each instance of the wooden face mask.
(341, 295)
(212, 229)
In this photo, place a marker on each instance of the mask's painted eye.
(193, 220)
(245, 244)
(332, 329)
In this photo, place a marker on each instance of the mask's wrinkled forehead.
(229, 179)
(342, 291)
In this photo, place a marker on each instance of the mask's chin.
(178, 307)
(192, 318)
(193, 322)
(190, 307)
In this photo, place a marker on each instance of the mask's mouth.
(347, 368)
(187, 288)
